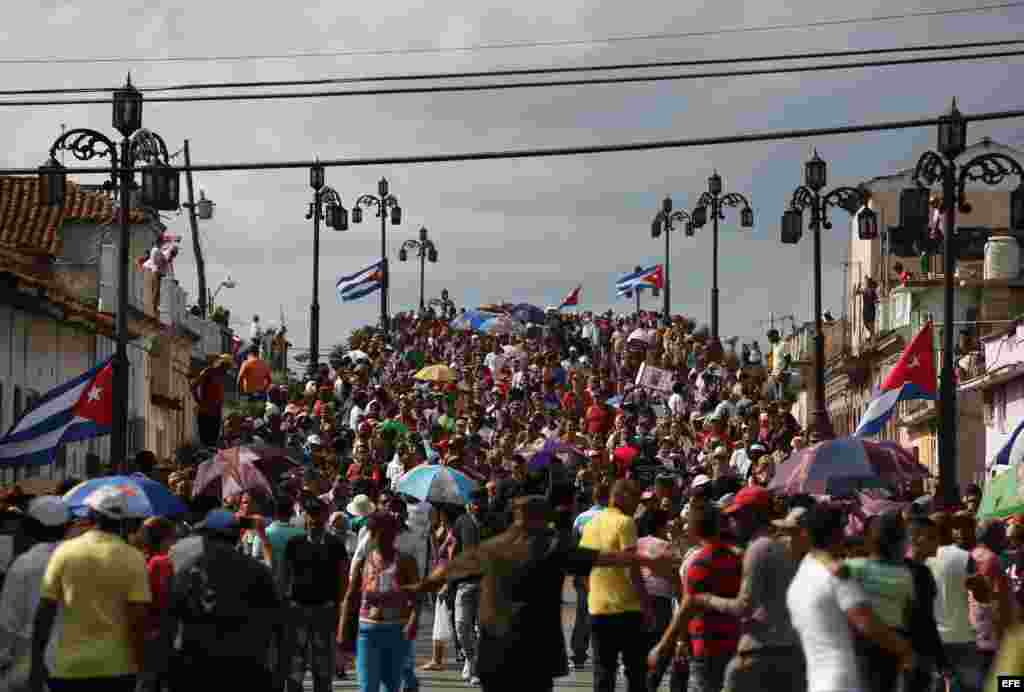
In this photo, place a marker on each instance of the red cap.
(750, 496)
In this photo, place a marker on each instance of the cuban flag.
(913, 377)
(1012, 452)
(573, 298)
(362, 283)
(646, 277)
(77, 410)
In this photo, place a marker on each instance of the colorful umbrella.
(840, 466)
(472, 320)
(437, 484)
(236, 470)
(545, 451)
(146, 497)
(502, 324)
(1004, 495)
(436, 373)
(524, 312)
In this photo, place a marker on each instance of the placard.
(654, 378)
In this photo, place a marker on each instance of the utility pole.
(197, 249)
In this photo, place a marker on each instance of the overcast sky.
(518, 230)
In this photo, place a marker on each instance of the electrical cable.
(527, 71)
(768, 136)
(504, 86)
(520, 44)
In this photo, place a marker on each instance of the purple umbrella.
(543, 455)
(833, 467)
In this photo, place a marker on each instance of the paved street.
(449, 680)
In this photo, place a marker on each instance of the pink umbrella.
(846, 465)
(236, 472)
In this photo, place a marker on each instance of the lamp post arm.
(369, 201)
(803, 199)
(706, 200)
(847, 198)
(85, 144)
(990, 169)
(733, 199)
(676, 217)
(930, 169)
(149, 147)
(328, 195)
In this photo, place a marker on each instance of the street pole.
(197, 249)
(822, 424)
(667, 298)
(714, 273)
(122, 383)
(423, 267)
(314, 306)
(385, 284)
(948, 489)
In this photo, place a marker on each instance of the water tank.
(1002, 257)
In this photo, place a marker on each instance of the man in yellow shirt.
(254, 377)
(101, 587)
(617, 601)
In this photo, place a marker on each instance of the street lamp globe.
(204, 206)
(403, 255)
(747, 217)
(396, 213)
(700, 216)
(666, 205)
(715, 184)
(161, 188)
(656, 227)
(432, 255)
(816, 172)
(357, 214)
(52, 184)
(792, 226)
(316, 176)
(867, 224)
(689, 230)
(127, 116)
(382, 187)
(337, 217)
(952, 133)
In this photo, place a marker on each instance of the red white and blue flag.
(645, 277)
(573, 298)
(362, 283)
(913, 377)
(77, 410)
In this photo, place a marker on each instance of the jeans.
(121, 683)
(707, 673)
(612, 635)
(467, 607)
(313, 645)
(580, 639)
(409, 679)
(381, 653)
(970, 666)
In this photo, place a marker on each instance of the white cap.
(313, 440)
(49, 510)
(110, 501)
(700, 480)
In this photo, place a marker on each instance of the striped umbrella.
(437, 484)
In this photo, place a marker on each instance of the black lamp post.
(991, 169)
(159, 190)
(326, 206)
(713, 202)
(386, 205)
(809, 196)
(665, 221)
(426, 251)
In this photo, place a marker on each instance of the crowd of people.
(626, 457)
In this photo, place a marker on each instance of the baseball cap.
(219, 520)
(700, 480)
(750, 496)
(49, 510)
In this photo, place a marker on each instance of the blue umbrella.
(437, 484)
(472, 319)
(524, 312)
(146, 497)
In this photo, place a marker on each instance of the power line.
(502, 86)
(529, 71)
(770, 136)
(518, 44)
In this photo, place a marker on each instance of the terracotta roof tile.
(29, 227)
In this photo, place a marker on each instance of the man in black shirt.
(316, 578)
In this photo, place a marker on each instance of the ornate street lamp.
(426, 250)
(714, 201)
(160, 190)
(808, 196)
(386, 205)
(932, 168)
(326, 206)
(666, 221)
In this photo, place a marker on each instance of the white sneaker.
(466, 672)
(474, 680)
